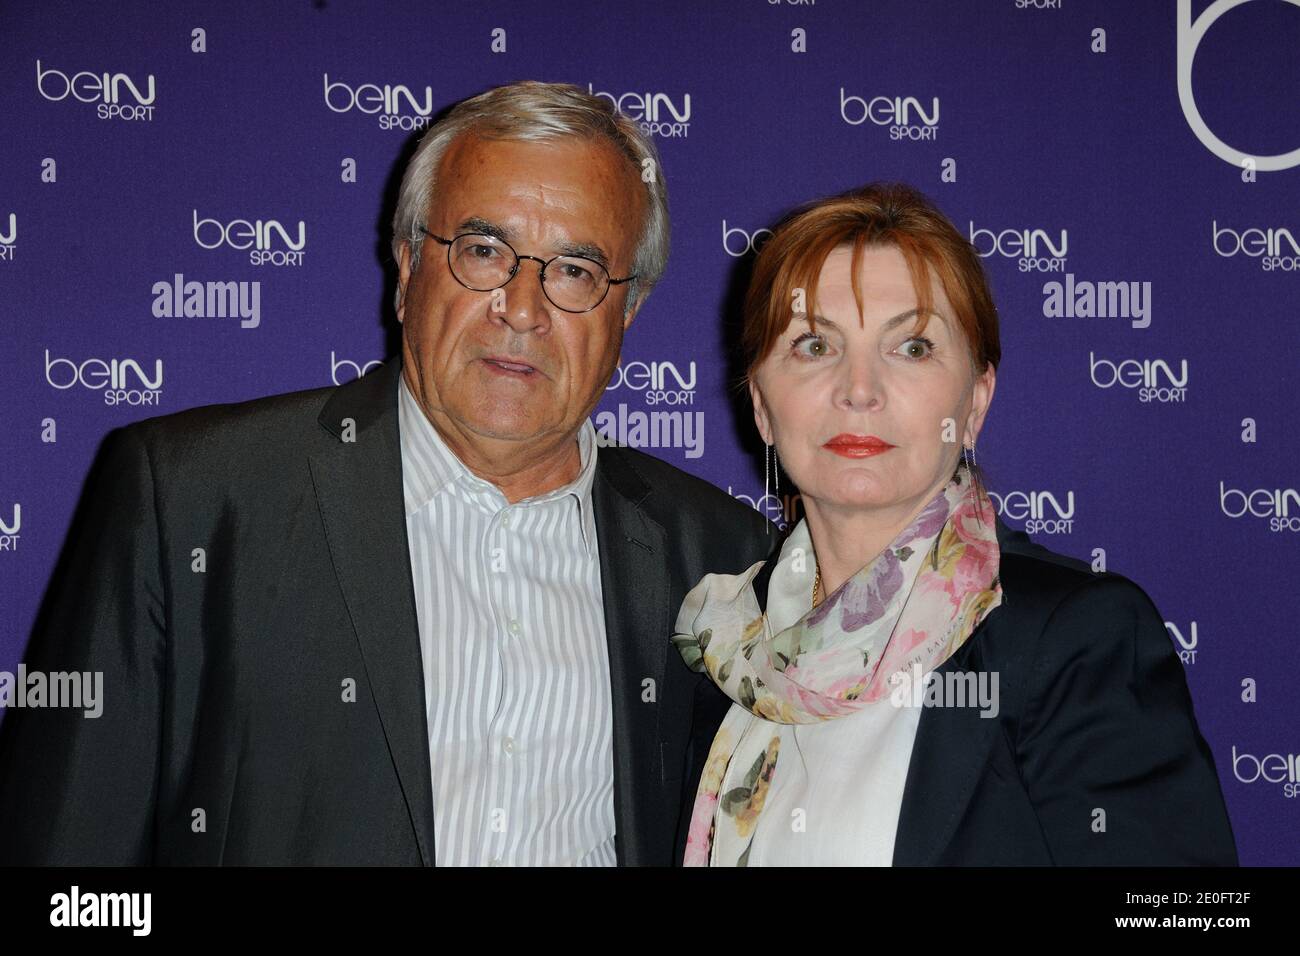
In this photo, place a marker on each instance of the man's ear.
(760, 411)
(630, 314)
(403, 278)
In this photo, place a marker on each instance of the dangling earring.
(767, 459)
(970, 474)
(968, 459)
(767, 467)
(770, 465)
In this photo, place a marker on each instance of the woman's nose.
(859, 386)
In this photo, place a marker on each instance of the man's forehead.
(578, 163)
(508, 184)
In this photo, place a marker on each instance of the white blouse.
(836, 797)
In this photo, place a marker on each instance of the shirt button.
(496, 863)
(505, 520)
(508, 745)
(514, 626)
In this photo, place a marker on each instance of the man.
(420, 618)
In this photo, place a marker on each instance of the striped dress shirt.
(516, 669)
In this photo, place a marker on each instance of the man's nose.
(521, 303)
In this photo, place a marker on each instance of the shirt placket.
(498, 553)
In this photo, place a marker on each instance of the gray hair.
(531, 110)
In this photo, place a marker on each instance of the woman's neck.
(846, 539)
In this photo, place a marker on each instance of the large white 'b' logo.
(1189, 38)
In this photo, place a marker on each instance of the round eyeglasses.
(483, 263)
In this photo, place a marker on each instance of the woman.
(911, 681)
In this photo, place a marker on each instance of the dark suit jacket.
(223, 687)
(1094, 715)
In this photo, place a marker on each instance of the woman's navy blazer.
(1094, 757)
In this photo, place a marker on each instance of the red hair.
(889, 214)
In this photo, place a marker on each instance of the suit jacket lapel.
(948, 755)
(951, 746)
(358, 485)
(635, 592)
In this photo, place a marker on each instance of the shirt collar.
(429, 467)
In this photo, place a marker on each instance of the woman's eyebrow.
(889, 323)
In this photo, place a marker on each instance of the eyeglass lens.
(484, 263)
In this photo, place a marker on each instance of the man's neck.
(519, 469)
(532, 476)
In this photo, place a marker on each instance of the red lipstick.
(857, 446)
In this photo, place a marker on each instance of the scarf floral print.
(847, 653)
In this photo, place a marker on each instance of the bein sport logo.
(123, 381)
(905, 116)
(652, 380)
(1275, 247)
(386, 101)
(1275, 504)
(256, 236)
(656, 383)
(86, 87)
(1033, 249)
(1271, 768)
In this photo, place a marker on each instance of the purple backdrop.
(1146, 405)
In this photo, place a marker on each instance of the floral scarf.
(916, 603)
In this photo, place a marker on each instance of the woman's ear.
(760, 411)
(981, 398)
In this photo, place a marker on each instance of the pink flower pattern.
(842, 655)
